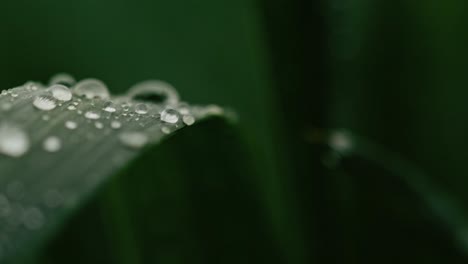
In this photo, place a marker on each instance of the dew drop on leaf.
(170, 115)
(109, 107)
(91, 88)
(116, 124)
(188, 120)
(61, 92)
(52, 144)
(133, 139)
(14, 141)
(71, 125)
(158, 92)
(92, 115)
(62, 78)
(141, 109)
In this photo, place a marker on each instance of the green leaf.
(62, 166)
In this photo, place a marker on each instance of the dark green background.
(391, 71)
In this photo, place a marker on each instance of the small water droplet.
(109, 107)
(45, 102)
(116, 124)
(188, 120)
(71, 125)
(92, 115)
(45, 117)
(52, 144)
(71, 107)
(91, 88)
(61, 92)
(14, 141)
(166, 130)
(99, 125)
(170, 115)
(133, 139)
(141, 109)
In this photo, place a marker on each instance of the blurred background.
(351, 118)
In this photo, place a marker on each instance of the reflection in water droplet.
(52, 144)
(133, 139)
(170, 115)
(154, 91)
(61, 92)
(91, 88)
(14, 141)
(92, 115)
(71, 125)
(45, 102)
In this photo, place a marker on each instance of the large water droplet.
(52, 144)
(92, 115)
(170, 115)
(91, 88)
(154, 91)
(62, 78)
(45, 102)
(14, 141)
(133, 139)
(61, 92)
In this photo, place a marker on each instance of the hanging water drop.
(91, 88)
(45, 102)
(61, 92)
(52, 144)
(92, 115)
(170, 115)
(133, 139)
(14, 141)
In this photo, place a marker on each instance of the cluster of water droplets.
(148, 106)
(69, 113)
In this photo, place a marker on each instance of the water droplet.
(166, 130)
(170, 115)
(133, 139)
(91, 88)
(62, 78)
(33, 218)
(141, 109)
(154, 91)
(188, 120)
(99, 125)
(14, 141)
(52, 144)
(71, 107)
(92, 115)
(71, 125)
(109, 107)
(45, 117)
(116, 124)
(45, 102)
(61, 92)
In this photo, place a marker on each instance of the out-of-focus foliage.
(390, 71)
